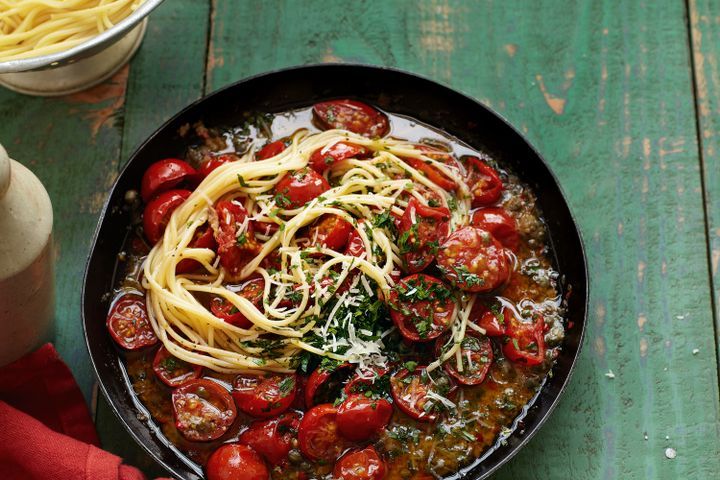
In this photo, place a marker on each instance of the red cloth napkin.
(45, 428)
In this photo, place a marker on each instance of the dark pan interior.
(397, 92)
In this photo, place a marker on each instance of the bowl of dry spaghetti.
(52, 47)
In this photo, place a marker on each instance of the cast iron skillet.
(397, 92)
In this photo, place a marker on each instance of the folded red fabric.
(45, 428)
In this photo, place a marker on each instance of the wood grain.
(604, 90)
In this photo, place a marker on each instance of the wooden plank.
(72, 145)
(604, 90)
(166, 75)
(705, 37)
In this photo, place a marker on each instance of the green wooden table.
(622, 98)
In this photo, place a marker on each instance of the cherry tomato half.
(476, 355)
(421, 231)
(165, 175)
(432, 172)
(203, 410)
(374, 383)
(484, 182)
(236, 246)
(410, 392)
(359, 418)
(526, 340)
(128, 323)
(471, 259)
(323, 385)
(297, 188)
(330, 231)
(203, 238)
(364, 464)
(318, 434)
(421, 307)
(172, 371)
(272, 438)
(326, 157)
(157, 213)
(212, 162)
(264, 395)
(489, 318)
(233, 461)
(498, 222)
(252, 290)
(358, 117)
(355, 245)
(271, 149)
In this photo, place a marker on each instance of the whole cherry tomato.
(157, 213)
(358, 117)
(233, 461)
(326, 157)
(212, 162)
(271, 149)
(272, 438)
(360, 418)
(165, 175)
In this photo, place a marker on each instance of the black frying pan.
(397, 92)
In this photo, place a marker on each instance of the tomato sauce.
(478, 418)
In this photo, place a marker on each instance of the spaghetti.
(32, 28)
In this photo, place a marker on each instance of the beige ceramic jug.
(26, 261)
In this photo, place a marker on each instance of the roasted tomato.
(128, 322)
(203, 410)
(252, 290)
(359, 418)
(421, 231)
(326, 157)
(271, 149)
(233, 461)
(432, 172)
(318, 434)
(526, 340)
(172, 371)
(211, 162)
(165, 175)
(410, 391)
(472, 260)
(324, 384)
(330, 231)
(203, 238)
(476, 354)
(157, 213)
(363, 464)
(264, 395)
(355, 245)
(299, 187)
(500, 224)
(272, 438)
(421, 307)
(489, 318)
(484, 183)
(236, 245)
(374, 381)
(351, 115)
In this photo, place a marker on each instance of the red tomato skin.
(233, 461)
(462, 378)
(360, 418)
(297, 188)
(129, 311)
(173, 382)
(364, 464)
(500, 224)
(432, 227)
(318, 437)
(211, 389)
(484, 182)
(358, 117)
(205, 239)
(483, 316)
(318, 378)
(261, 396)
(524, 334)
(214, 161)
(355, 245)
(354, 384)
(234, 256)
(165, 175)
(270, 150)
(330, 231)
(442, 313)
(266, 437)
(252, 290)
(324, 158)
(158, 211)
(483, 257)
